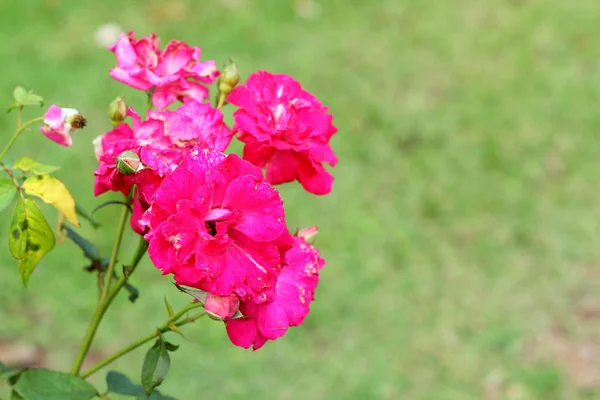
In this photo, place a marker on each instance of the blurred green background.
(461, 235)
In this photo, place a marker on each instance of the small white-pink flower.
(59, 123)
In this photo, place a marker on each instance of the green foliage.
(7, 192)
(43, 384)
(27, 164)
(8, 373)
(156, 365)
(25, 98)
(90, 251)
(120, 384)
(30, 237)
(54, 192)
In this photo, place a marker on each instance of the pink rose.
(173, 73)
(286, 130)
(294, 291)
(216, 225)
(161, 142)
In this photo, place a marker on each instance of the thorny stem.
(103, 306)
(17, 133)
(159, 331)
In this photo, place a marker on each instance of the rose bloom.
(59, 123)
(218, 226)
(161, 142)
(294, 291)
(183, 90)
(173, 73)
(285, 130)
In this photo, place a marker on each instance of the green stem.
(19, 115)
(115, 252)
(103, 306)
(17, 133)
(160, 330)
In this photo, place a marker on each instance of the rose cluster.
(215, 222)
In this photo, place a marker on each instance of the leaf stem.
(12, 177)
(103, 306)
(19, 115)
(17, 133)
(159, 331)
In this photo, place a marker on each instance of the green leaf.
(26, 164)
(198, 294)
(15, 396)
(19, 94)
(134, 293)
(156, 366)
(32, 99)
(30, 237)
(3, 368)
(7, 192)
(52, 191)
(171, 347)
(7, 373)
(25, 98)
(156, 395)
(43, 384)
(120, 384)
(89, 250)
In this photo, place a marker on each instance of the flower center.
(211, 227)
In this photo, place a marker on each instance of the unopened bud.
(129, 163)
(309, 234)
(117, 110)
(229, 78)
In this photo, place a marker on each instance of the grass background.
(461, 236)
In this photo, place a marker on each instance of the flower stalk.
(167, 326)
(17, 133)
(107, 300)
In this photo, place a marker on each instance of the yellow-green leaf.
(26, 164)
(19, 94)
(52, 191)
(30, 237)
(7, 192)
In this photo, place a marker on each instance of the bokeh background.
(462, 233)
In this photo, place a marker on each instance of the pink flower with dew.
(59, 123)
(216, 225)
(285, 130)
(173, 73)
(294, 291)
